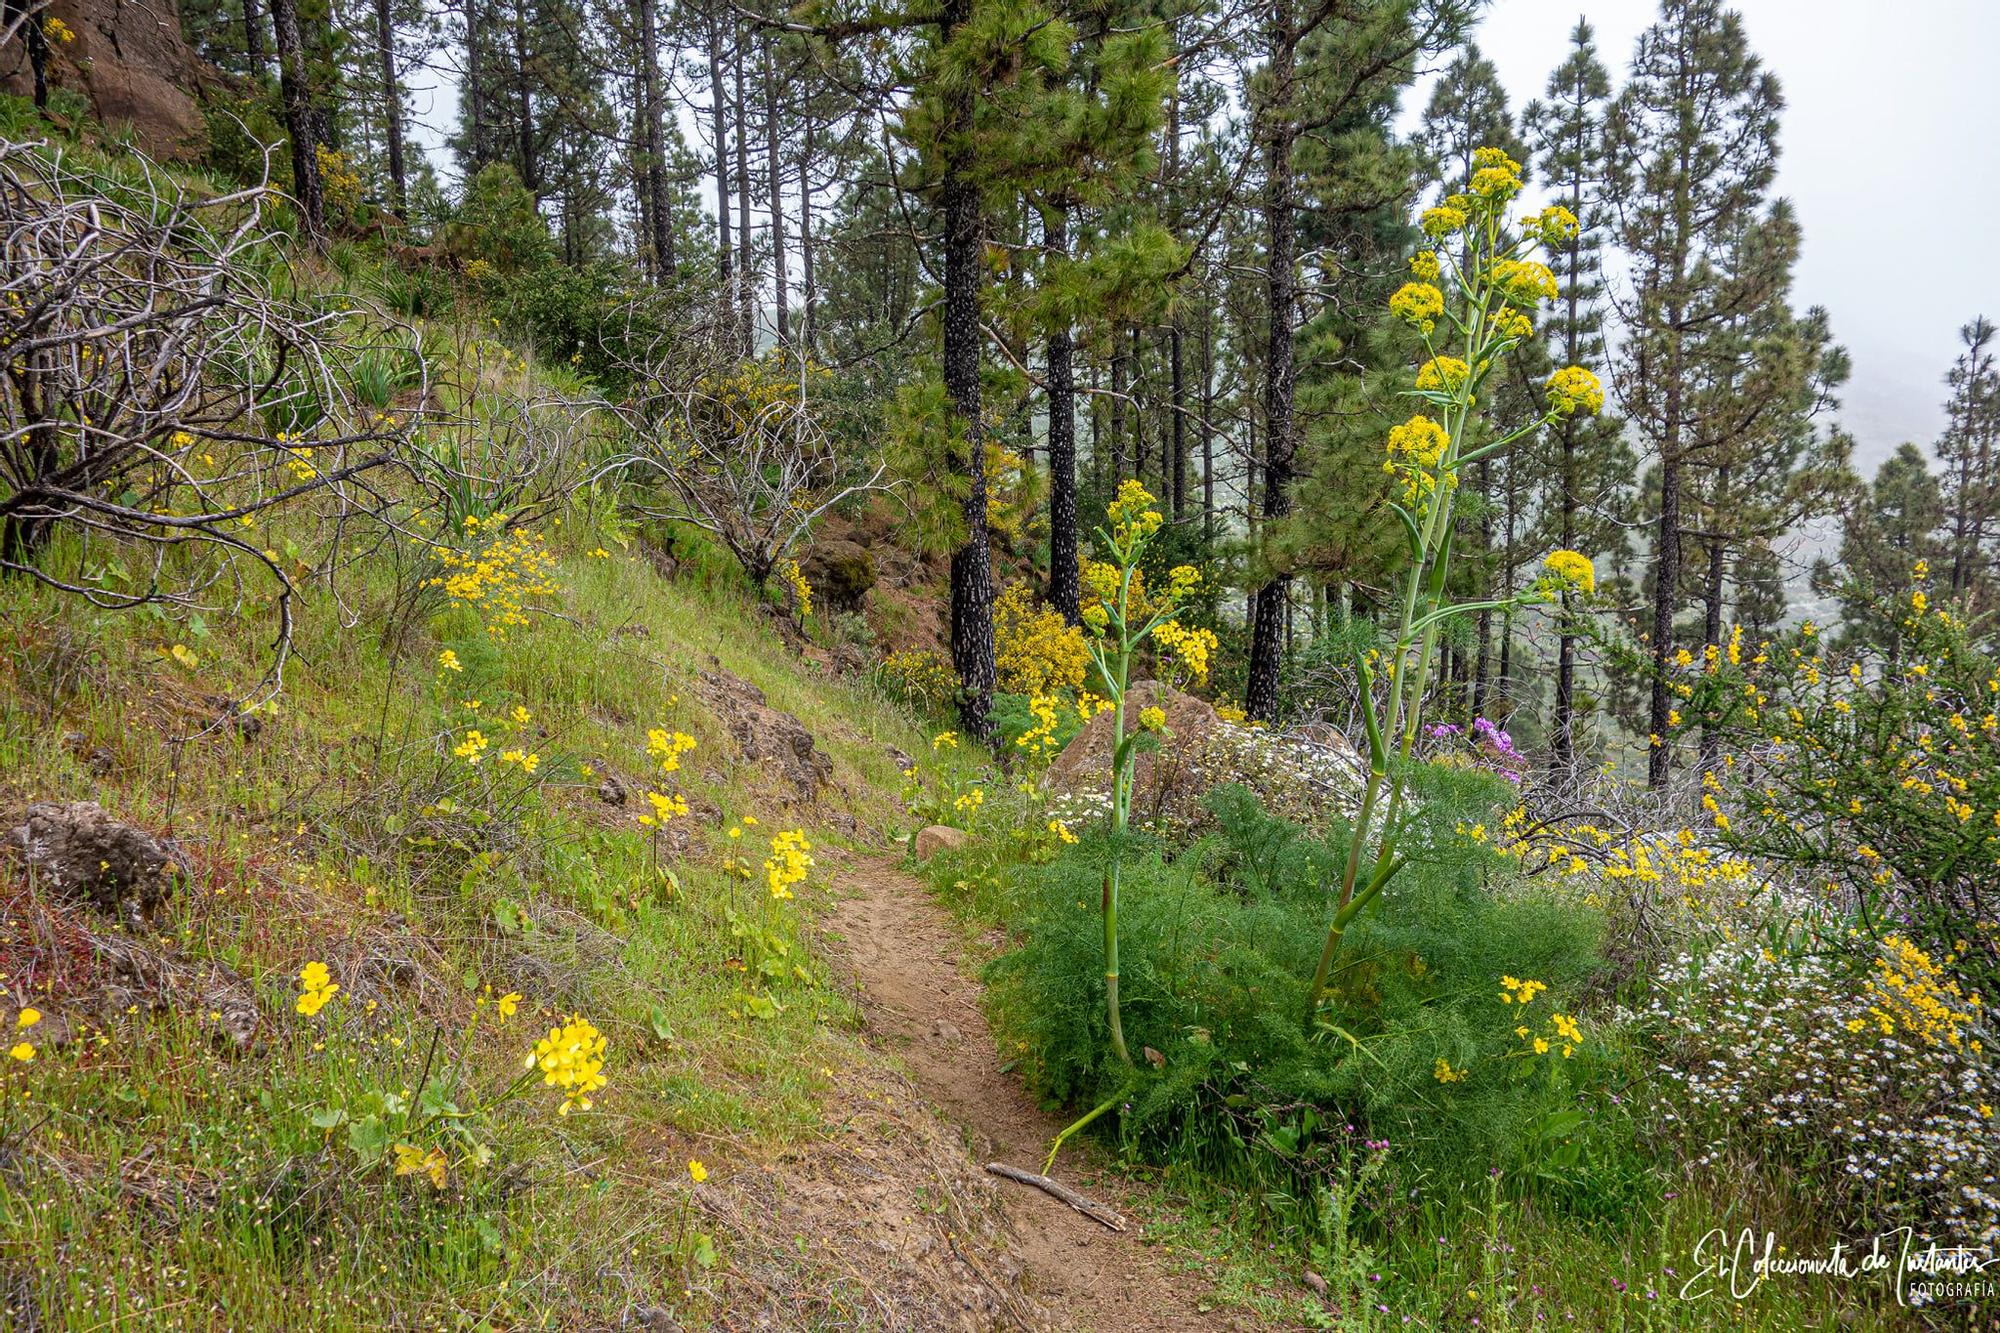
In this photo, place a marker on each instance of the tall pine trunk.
(746, 282)
(524, 106)
(971, 563)
(725, 248)
(253, 40)
(780, 279)
(1065, 590)
(297, 93)
(807, 293)
(392, 103)
(1268, 617)
(659, 213)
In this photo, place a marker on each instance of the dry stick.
(1090, 1208)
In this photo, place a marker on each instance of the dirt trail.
(921, 1006)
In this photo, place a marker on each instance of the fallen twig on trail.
(1090, 1208)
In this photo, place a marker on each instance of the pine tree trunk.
(1176, 375)
(1280, 367)
(1208, 425)
(524, 106)
(1065, 589)
(474, 91)
(725, 249)
(659, 208)
(253, 40)
(746, 282)
(392, 104)
(971, 564)
(1118, 455)
(297, 93)
(808, 293)
(780, 280)
(1666, 578)
(1713, 588)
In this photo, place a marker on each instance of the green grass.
(1433, 1241)
(157, 1177)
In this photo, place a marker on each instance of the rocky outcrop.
(938, 838)
(130, 60)
(1165, 778)
(1301, 774)
(76, 851)
(766, 734)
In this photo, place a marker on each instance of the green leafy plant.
(1494, 287)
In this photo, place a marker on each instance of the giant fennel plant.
(1471, 300)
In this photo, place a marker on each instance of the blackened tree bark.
(1279, 132)
(1065, 590)
(524, 108)
(780, 279)
(297, 91)
(746, 281)
(808, 293)
(971, 564)
(253, 40)
(392, 102)
(659, 208)
(725, 254)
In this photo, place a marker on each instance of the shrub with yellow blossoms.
(1036, 651)
(1875, 774)
(497, 573)
(1474, 293)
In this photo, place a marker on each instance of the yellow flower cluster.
(1524, 282)
(1040, 739)
(499, 577)
(1132, 513)
(1424, 266)
(316, 987)
(1443, 374)
(789, 862)
(1496, 177)
(795, 579)
(473, 748)
(668, 747)
(1415, 449)
(1568, 569)
(1561, 1030)
(1418, 304)
(1152, 719)
(1911, 991)
(1443, 1072)
(571, 1057)
(1574, 389)
(1555, 226)
(1445, 220)
(1036, 651)
(1520, 992)
(664, 808)
(1192, 648)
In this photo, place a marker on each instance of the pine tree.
(1468, 111)
(1588, 477)
(1888, 527)
(1967, 452)
(1317, 64)
(1692, 150)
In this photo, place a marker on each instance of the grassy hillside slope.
(155, 1162)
